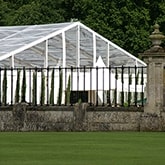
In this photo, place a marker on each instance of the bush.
(67, 93)
(17, 96)
(52, 89)
(42, 98)
(4, 87)
(34, 91)
(23, 91)
(60, 88)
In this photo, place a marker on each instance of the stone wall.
(78, 118)
(109, 121)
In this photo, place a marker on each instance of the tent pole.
(46, 54)
(64, 50)
(64, 65)
(107, 54)
(12, 61)
(78, 47)
(94, 49)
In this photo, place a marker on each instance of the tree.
(52, 11)
(123, 22)
(36, 12)
(26, 15)
(3, 12)
(127, 23)
(76, 9)
(16, 4)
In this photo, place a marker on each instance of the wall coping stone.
(71, 108)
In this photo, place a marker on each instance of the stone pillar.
(19, 117)
(155, 60)
(79, 116)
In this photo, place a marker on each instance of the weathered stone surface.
(113, 127)
(155, 60)
(49, 121)
(79, 118)
(151, 122)
(6, 123)
(113, 117)
(19, 116)
(108, 121)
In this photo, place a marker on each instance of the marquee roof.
(60, 44)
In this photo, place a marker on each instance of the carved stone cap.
(156, 36)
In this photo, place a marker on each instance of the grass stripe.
(82, 148)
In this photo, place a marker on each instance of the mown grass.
(82, 148)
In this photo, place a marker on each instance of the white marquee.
(60, 44)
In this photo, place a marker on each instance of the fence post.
(155, 59)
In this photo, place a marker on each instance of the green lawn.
(82, 148)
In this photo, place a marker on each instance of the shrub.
(23, 91)
(67, 93)
(4, 87)
(52, 89)
(42, 98)
(17, 96)
(34, 91)
(60, 88)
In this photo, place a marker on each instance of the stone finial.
(156, 36)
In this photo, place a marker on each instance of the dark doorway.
(77, 96)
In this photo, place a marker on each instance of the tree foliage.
(4, 9)
(127, 23)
